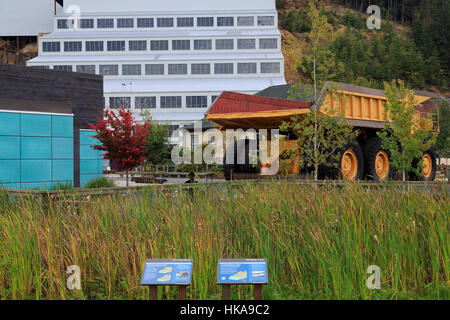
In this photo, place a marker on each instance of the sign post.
(242, 272)
(169, 272)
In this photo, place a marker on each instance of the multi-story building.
(173, 57)
(27, 17)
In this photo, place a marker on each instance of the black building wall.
(84, 92)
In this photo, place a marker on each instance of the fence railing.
(76, 193)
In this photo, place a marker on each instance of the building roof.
(31, 106)
(281, 92)
(190, 85)
(231, 102)
(204, 124)
(235, 110)
(173, 6)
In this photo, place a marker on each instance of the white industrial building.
(27, 17)
(174, 57)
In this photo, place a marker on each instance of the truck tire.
(377, 161)
(351, 163)
(326, 172)
(428, 172)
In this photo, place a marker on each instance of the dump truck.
(362, 107)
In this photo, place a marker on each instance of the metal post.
(181, 292)
(153, 292)
(257, 291)
(226, 292)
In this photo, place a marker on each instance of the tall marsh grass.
(318, 242)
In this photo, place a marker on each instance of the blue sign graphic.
(242, 271)
(167, 272)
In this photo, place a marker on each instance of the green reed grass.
(318, 241)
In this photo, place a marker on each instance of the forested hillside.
(413, 43)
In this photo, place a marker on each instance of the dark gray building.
(43, 113)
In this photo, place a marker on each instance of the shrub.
(331, 17)
(353, 21)
(295, 21)
(100, 182)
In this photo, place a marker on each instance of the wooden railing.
(76, 194)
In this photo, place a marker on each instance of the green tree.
(313, 57)
(443, 140)
(320, 140)
(159, 150)
(408, 135)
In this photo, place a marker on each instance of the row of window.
(166, 102)
(159, 45)
(174, 68)
(181, 22)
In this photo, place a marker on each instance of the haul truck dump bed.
(362, 107)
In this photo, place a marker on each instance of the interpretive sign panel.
(242, 271)
(176, 272)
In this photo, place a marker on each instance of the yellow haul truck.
(362, 107)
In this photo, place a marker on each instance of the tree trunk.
(403, 11)
(127, 178)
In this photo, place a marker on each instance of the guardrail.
(74, 193)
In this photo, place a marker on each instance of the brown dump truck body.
(362, 107)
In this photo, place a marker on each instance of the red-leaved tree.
(122, 139)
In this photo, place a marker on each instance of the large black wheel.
(377, 161)
(429, 167)
(326, 172)
(350, 165)
(239, 161)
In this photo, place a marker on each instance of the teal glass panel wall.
(36, 150)
(9, 147)
(91, 160)
(35, 125)
(62, 148)
(9, 124)
(10, 171)
(62, 126)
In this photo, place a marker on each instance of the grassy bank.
(318, 243)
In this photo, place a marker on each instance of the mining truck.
(363, 158)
